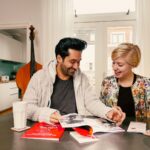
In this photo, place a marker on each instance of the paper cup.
(19, 114)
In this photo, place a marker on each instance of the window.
(102, 32)
(88, 56)
(115, 36)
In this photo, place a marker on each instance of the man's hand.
(116, 115)
(55, 117)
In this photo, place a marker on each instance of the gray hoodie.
(40, 89)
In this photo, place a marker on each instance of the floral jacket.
(140, 92)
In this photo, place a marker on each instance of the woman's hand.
(116, 115)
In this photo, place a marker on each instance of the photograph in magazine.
(72, 120)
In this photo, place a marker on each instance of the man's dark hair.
(64, 44)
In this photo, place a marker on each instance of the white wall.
(28, 12)
(143, 34)
(53, 19)
(11, 49)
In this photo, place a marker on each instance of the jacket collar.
(50, 68)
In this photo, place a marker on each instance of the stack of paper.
(138, 127)
(82, 139)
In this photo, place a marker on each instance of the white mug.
(19, 114)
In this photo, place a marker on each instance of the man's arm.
(37, 109)
(97, 108)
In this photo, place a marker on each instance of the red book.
(84, 130)
(42, 130)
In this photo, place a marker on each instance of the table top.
(10, 140)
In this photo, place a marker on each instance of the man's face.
(69, 64)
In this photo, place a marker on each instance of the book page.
(98, 126)
(138, 127)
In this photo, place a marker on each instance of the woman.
(125, 88)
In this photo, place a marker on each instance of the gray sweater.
(40, 89)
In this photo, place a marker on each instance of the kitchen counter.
(8, 94)
(1, 82)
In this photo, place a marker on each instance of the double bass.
(25, 72)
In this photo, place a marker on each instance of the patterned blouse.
(140, 92)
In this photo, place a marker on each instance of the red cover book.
(42, 130)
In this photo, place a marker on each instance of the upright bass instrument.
(25, 72)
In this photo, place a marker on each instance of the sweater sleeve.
(147, 92)
(92, 102)
(37, 109)
(103, 91)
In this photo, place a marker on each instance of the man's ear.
(59, 59)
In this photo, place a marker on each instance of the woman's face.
(121, 67)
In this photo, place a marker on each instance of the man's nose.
(76, 65)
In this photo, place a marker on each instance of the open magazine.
(85, 125)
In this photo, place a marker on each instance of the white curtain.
(143, 34)
(60, 22)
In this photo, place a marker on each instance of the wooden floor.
(6, 111)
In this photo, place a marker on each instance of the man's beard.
(67, 71)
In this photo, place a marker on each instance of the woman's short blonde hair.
(129, 51)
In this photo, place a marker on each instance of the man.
(61, 88)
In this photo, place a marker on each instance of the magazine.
(88, 126)
(42, 130)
